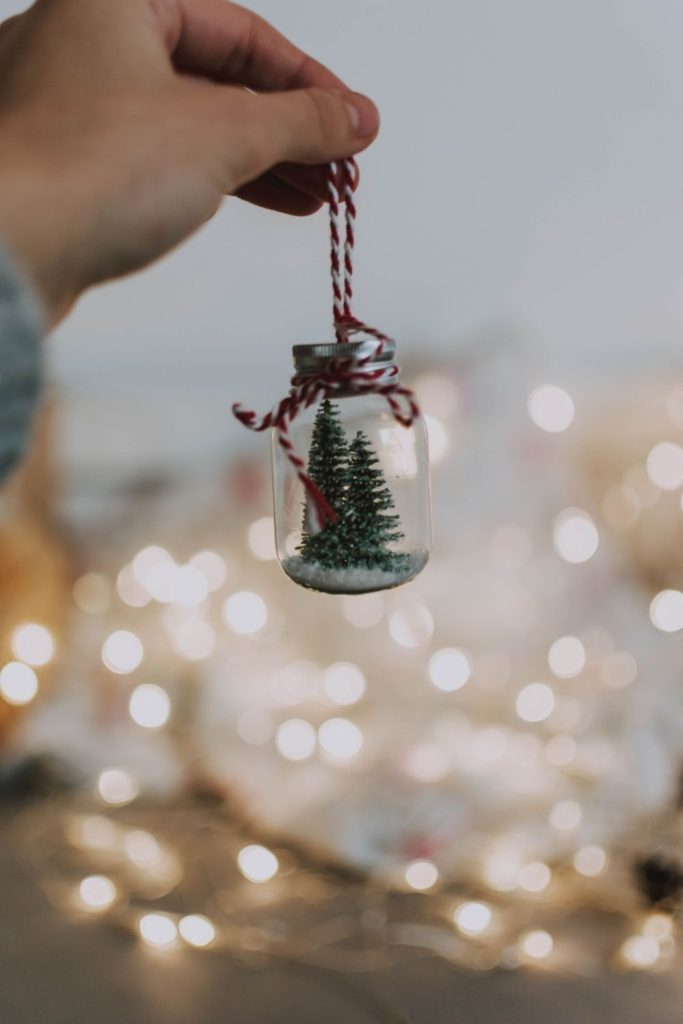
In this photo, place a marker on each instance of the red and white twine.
(348, 374)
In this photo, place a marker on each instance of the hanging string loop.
(358, 374)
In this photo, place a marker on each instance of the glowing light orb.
(340, 738)
(575, 536)
(664, 465)
(567, 657)
(411, 626)
(537, 944)
(146, 560)
(449, 669)
(33, 644)
(566, 815)
(194, 639)
(157, 930)
(149, 706)
(535, 702)
(363, 610)
(97, 892)
(561, 750)
(473, 918)
(91, 593)
(212, 567)
(590, 861)
(666, 611)
(421, 875)
(115, 786)
(245, 612)
(296, 739)
(534, 877)
(190, 587)
(641, 951)
(142, 848)
(261, 539)
(344, 683)
(130, 590)
(551, 408)
(18, 683)
(257, 863)
(196, 930)
(122, 652)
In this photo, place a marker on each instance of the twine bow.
(350, 374)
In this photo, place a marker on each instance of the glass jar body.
(374, 472)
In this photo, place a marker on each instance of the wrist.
(40, 222)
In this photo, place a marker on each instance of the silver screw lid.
(312, 358)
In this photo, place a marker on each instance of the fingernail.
(362, 114)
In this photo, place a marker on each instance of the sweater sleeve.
(22, 328)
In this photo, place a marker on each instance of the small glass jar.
(373, 471)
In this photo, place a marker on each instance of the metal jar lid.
(313, 358)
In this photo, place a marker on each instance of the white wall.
(529, 172)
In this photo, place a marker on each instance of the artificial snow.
(352, 581)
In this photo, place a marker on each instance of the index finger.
(232, 44)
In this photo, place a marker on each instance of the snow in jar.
(373, 472)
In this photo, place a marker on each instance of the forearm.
(22, 328)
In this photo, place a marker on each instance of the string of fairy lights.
(156, 613)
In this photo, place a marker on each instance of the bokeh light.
(363, 610)
(261, 539)
(537, 944)
(257, 863)
(340, 738)
(551, 408)
(411, 626)
(641, 951)
(33, 644)
(534, 877)
(664, 465)
(566, 815)
(212, 567)
(575, 536)
(115, 786)
(344, 683)
(296, 739)
(149, 706)
(472, 918)
(535, 702)
(92, 593)
(421, 875)
(97, 892)
(122, 651)
(449, 668)
(18, 683)
(567, 657)
(157, 930)
(590, 861)
(194, 639)
(245, 612)
(666, 611)
(196, 930)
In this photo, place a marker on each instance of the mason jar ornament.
(349, 448)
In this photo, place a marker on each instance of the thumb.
(303, 126)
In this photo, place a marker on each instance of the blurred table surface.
(56, 971)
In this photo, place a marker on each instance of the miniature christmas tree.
(327, 467)
(370, 526)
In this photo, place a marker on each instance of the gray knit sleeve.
(22, 328)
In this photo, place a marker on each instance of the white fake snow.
(351, 581)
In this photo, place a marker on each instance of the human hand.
(125, 122)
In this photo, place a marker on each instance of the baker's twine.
(349, 374)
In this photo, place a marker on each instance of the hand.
(124, 123)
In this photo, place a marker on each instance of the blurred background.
(465, 792)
